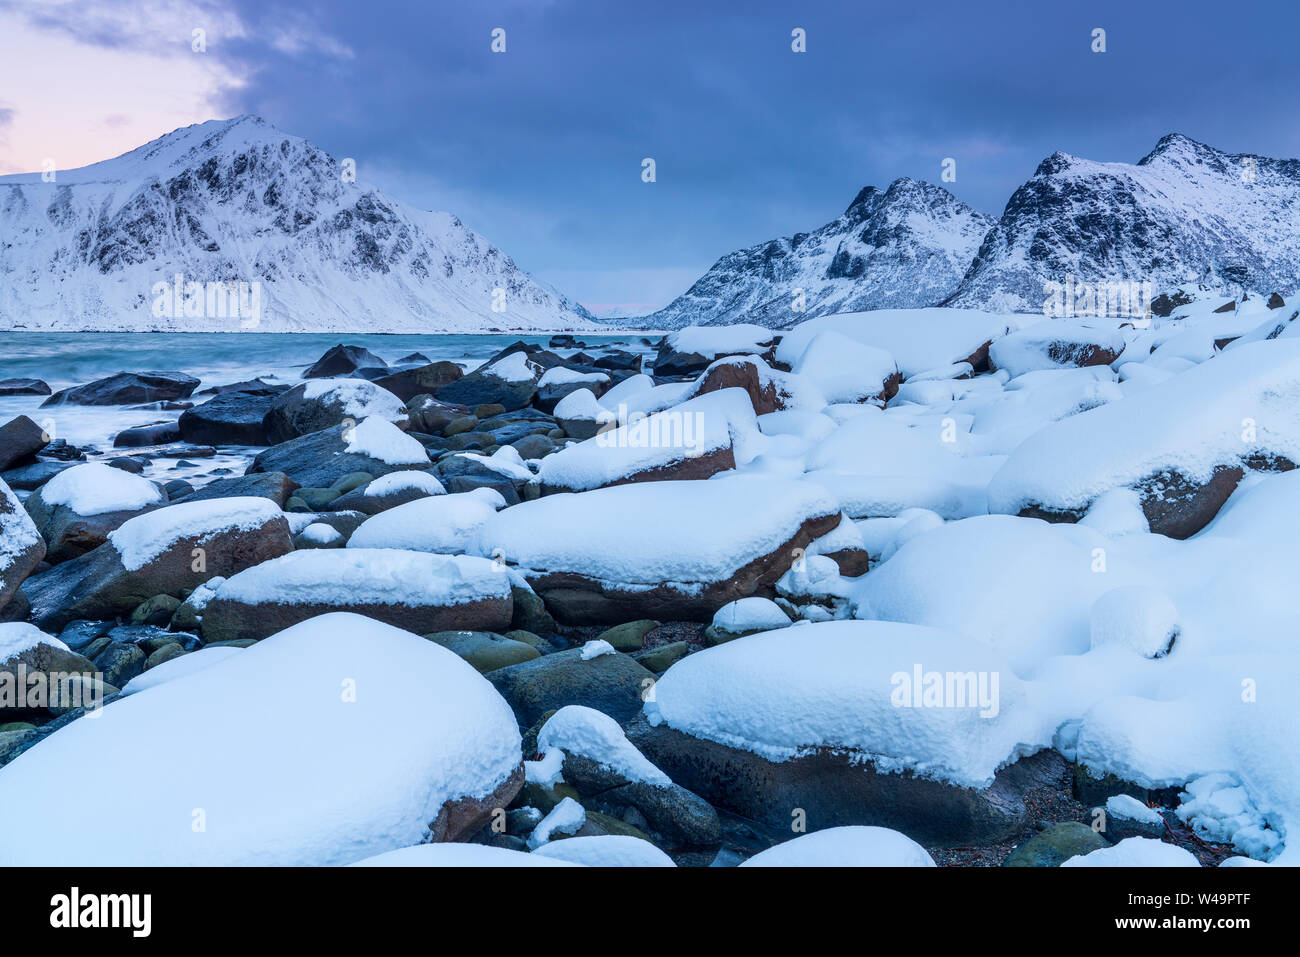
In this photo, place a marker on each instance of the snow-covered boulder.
(243, 758)
(692, 547)
(1143, 620)
(694, 440)
(868, 723)
(1136, 852)
(25, 653)
(21, 545)
(768, 390)
(447, 524)
(605, 850)
(389, 491)
(322, 403)
(1183, 444)
(691, 350)
(845, 847)
(420, 592)
(612, 775)
(162, 552)
(848, 370)
(509, 380)
(559, 381)
(460, 855)
(746, 616)
(1057, 343)
(77, 509)
(319, 459)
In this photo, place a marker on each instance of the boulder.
(229, 418)
(20, 439)
(127, 388)
(321, 404)
(431, 417)
(484, 650)
(21, 545)
(1053, 846)
(510, 381)
(165, 551)
(343, 361)
(28, 478)
(696, 547)
(23, 387)
(611, 683)
(423, 380)
(388, 491)
(141, 436)
(77, 510)
(319, 459)
(417, 591)
(275, 486)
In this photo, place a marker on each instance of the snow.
(1027, 350)
(917, 339)
(1128, 808)
(716, 420)
(380, 439)
(845, 369)
(739, 338)
(1214, 414)
(95, 489)
(559, 375)
(404, 481)
(17, 531)
(513, 368)
(142, 539)
(750, 614)
(460, 855)
(606, 850)
(1135, 852)
(504, 461)
(439, 523)
(18, 637)
(850, 684)
(597, 647)
(359, 398)
(380, 576)
(242, 764)
(589, 733)
(566, 818)
(318, 533)
(1141, 619)
(581, 404)
(693, 532)
(179, 667)
(845, 847)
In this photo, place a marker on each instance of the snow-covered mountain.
(1185, 212)
(906, 246)
(238, 201)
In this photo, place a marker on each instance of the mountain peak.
(1175, 146)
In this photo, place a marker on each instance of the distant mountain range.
(1185, 212)
(238, 201)
(236, 216)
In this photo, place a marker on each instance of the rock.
(1274, 302)
(275, 486)
(165, 653)
(662, 657)
(741, 374)
(669, 362)
(457, 426)
(484, 650)
(620, 361)
(426, 379)
(165, 552)
(533, 446)
(120, 662)
(177, 489)
(18, 608)
(834, 790)
(489, 410)
(499, 387)
(157, 610)
(612, 684)
(530, 612)
(1055, 845)
(430, 416)
(730, 539)
(319, 459)
(146, 435)
(419, 592)
(27, 478)
(629, 636)
(230, 418)
(343, 361)
(258, 386)
(39, 654)
(127, 388)
(20, 439)
(747, 616)
(376, 496)
(23, 387)
(315, 499)
(23, 548)
(314, 406)
(74, 518)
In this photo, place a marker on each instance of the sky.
(540, 148)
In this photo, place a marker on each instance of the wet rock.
(23, 387)
(20, 439)
(613, 684)
(343, 361)
(127, 388)
(230, 418)
(426, 379)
